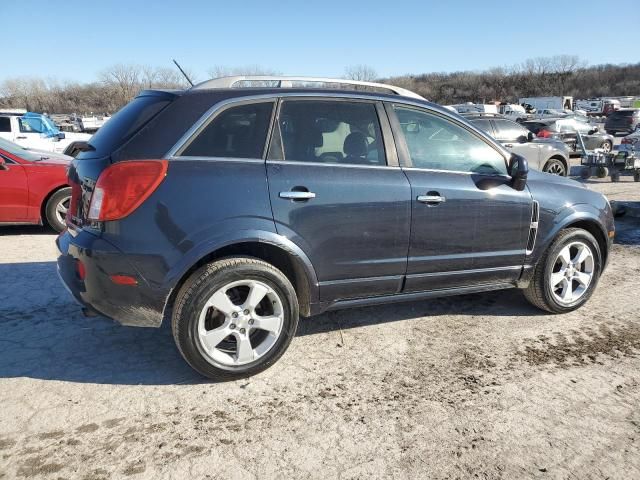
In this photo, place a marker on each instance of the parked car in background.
(625, 120)
(566, 129)
(33, 186)
(513, 112)
(631, 141)
(34, 130)
(231, 211)
(541, 103)
(547, 155)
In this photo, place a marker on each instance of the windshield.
(19, 151)
(36, 123)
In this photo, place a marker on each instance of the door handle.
(508, 145)
(21, 138)
(297, 195)
(433, 199)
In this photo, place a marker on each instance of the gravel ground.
(478, 386)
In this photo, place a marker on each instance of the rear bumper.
(136, 305)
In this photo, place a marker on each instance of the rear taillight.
(121, 188)
(76, 193)
(544, 133)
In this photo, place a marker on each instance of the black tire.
(636, 176)
(539, 292)
(602, 172)
(191, 300)
(615, 176)
(556, 166)
(61, 197)
(585, 173)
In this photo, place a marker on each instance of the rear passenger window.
(333, 132)
(5, 124)
(237, 132)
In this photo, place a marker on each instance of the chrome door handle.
(297, 195)
(508, 145)
(431, 199)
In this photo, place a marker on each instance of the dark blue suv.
(232, 211)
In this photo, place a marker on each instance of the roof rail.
(287, 82)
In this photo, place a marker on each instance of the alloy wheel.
(240, 323)
(572, 273)
(556, 168)
(62, 208)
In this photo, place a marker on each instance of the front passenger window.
(436, 143)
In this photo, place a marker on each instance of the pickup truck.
(36, 131)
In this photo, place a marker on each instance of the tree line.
(543, 76)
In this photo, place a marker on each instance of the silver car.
(547, 155)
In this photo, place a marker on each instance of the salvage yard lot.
(476, 386)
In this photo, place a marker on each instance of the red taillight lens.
(124, 280)
(76, 193)
(121, 188)
(82, 271)
(544, 134)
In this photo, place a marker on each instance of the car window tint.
(484, 125)
(5, 124)
(508, 131)
(439, 144)
(237, 132)
(338, 132)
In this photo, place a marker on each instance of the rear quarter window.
(237, 132)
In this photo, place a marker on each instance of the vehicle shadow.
(26, 230)
(45, 336)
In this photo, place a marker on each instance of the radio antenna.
(183, 72)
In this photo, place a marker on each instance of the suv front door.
(468, 226)
(337, 192)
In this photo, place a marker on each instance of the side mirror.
(3, 165)
(523, 139)
(61, 136)
(531, 136)
(519, 170)
(593, 130)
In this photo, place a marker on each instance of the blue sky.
(76, 39)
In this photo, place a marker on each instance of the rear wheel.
(57, 208)
(556, 167)
(636, 176)
(565, 277)
(234, 318)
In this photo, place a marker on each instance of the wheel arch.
(47, 197)
(283, 255)
(560, 157)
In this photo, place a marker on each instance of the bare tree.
(363, 73)
(225, 71)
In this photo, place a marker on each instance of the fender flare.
(206, 248)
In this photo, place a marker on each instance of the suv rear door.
(337, 191)
(468, 227)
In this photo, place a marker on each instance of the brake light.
(76, 192)
(123, 187)
(544, 133)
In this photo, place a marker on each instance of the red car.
(33, 186)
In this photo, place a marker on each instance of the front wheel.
(57, 208)
(234, 318)
(566, 276)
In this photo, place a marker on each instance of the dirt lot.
(480, 386)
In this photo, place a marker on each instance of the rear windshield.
(124, 124)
